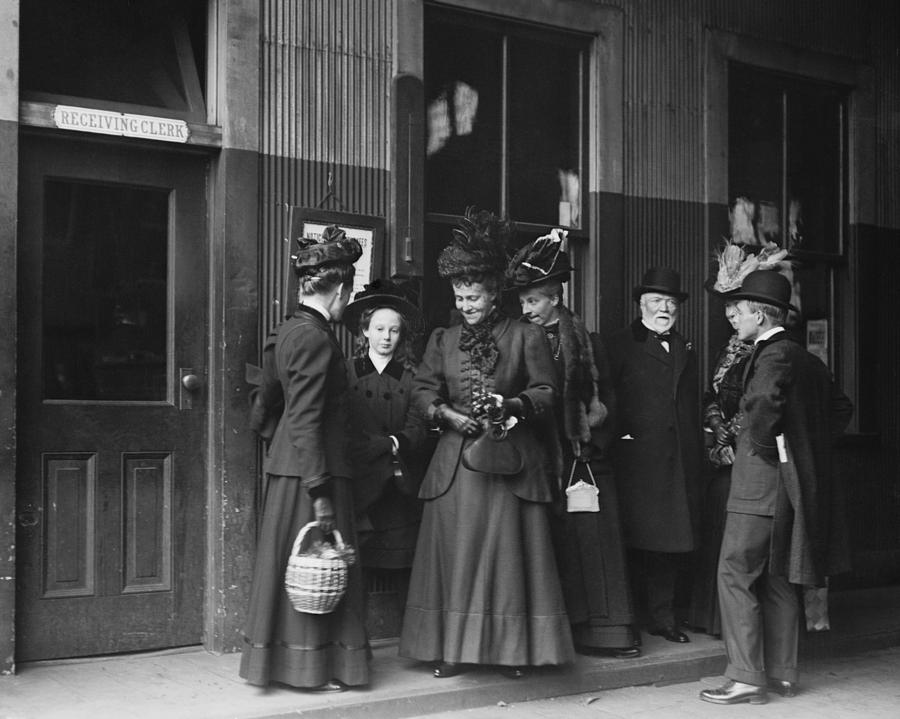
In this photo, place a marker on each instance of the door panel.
(110, 486)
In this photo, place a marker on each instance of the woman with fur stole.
(589, 547)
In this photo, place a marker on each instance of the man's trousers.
(760, 612)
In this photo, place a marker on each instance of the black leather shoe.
(445, 670)
(785, 688)
(331, 687)
(512, 672)
(670, 634)
(733, 692)
(617, 653)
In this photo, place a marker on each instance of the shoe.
(445, 670)
(670, 634)
(785, 688)
(733, 692)
(512, 672)
(331, 687)
(617, 653)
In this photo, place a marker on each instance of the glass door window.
(104, 290)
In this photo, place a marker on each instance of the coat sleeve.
(540, 387)
(305, 359)
(429, 385)
(841, 411)
(765, 397)
(606, 392)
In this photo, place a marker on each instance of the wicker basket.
(315, 585)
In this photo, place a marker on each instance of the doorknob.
(191, 382)
(190, 385)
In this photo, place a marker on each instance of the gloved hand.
(324, 513)
(371, 448)
(448, 417)
(513, 407)
(585, 453)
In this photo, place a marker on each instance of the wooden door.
(111, 398)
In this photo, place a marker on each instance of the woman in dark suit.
(308, 479)
(484, 586)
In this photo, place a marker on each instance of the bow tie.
(662, 335)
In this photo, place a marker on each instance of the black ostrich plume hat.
(478, 246)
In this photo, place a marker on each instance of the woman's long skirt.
(704, 610)
(593, 569)
(280, 643)
(484, 586)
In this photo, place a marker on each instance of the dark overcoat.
(525, 369)
(789, 391)
(310, 441)
(658, 445)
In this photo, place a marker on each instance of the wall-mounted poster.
(817, 338)
(365, 229)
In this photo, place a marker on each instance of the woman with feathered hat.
(484, 588)
(720, 407)
(589, 545)
(308, 479)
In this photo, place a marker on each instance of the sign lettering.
(106, 122)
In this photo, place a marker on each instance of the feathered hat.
(751, 250)
(478, 246)
(544, 260)
(399, 296)
(332, 247)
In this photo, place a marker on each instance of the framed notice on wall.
(817, 338)
(368, 230)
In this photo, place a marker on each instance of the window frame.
(517, 27)
(723, 48)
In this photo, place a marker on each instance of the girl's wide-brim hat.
(544, 260)
(379, 294)
(662, 280)
(332, 247)
(770, 288)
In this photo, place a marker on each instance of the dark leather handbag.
(493, 453)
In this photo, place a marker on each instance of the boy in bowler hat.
(784, 521)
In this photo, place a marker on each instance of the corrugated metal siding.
(885, 30)
(325, 84)
(664, 105)
(663, 154)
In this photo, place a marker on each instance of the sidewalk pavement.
(192, 684)
(858, 685)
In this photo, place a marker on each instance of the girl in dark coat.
(388, 439)
(589, 546)
(484, 586)
(308, 479)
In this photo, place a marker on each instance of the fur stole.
(581, 406)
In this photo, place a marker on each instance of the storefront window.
(505, 116)
(787, 165)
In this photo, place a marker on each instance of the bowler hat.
(401, 297)
(332, 247)
(663, 280)
(770, 288)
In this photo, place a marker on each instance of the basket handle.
(301, 535)
(572, 472)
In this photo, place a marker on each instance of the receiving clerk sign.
(106, 122)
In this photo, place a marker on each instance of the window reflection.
(104, 292)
